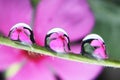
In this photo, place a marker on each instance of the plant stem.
(70, 56)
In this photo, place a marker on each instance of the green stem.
(71, 56)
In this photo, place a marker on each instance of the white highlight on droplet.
(56, 30)
(21, 24)
(93, 36)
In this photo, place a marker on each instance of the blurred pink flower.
(74, 16)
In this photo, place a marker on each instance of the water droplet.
(93, 46)
(21, 32)
(57, 40)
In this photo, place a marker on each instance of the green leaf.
(107, 13)
(69, 56)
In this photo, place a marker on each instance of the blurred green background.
(107, 14)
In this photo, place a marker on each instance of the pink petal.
(76, 48)
(12, 12)
(69, 70)
(8, 56)
(74, 16)
(66, 14)
(33, 71)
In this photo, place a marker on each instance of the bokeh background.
(107, 14)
